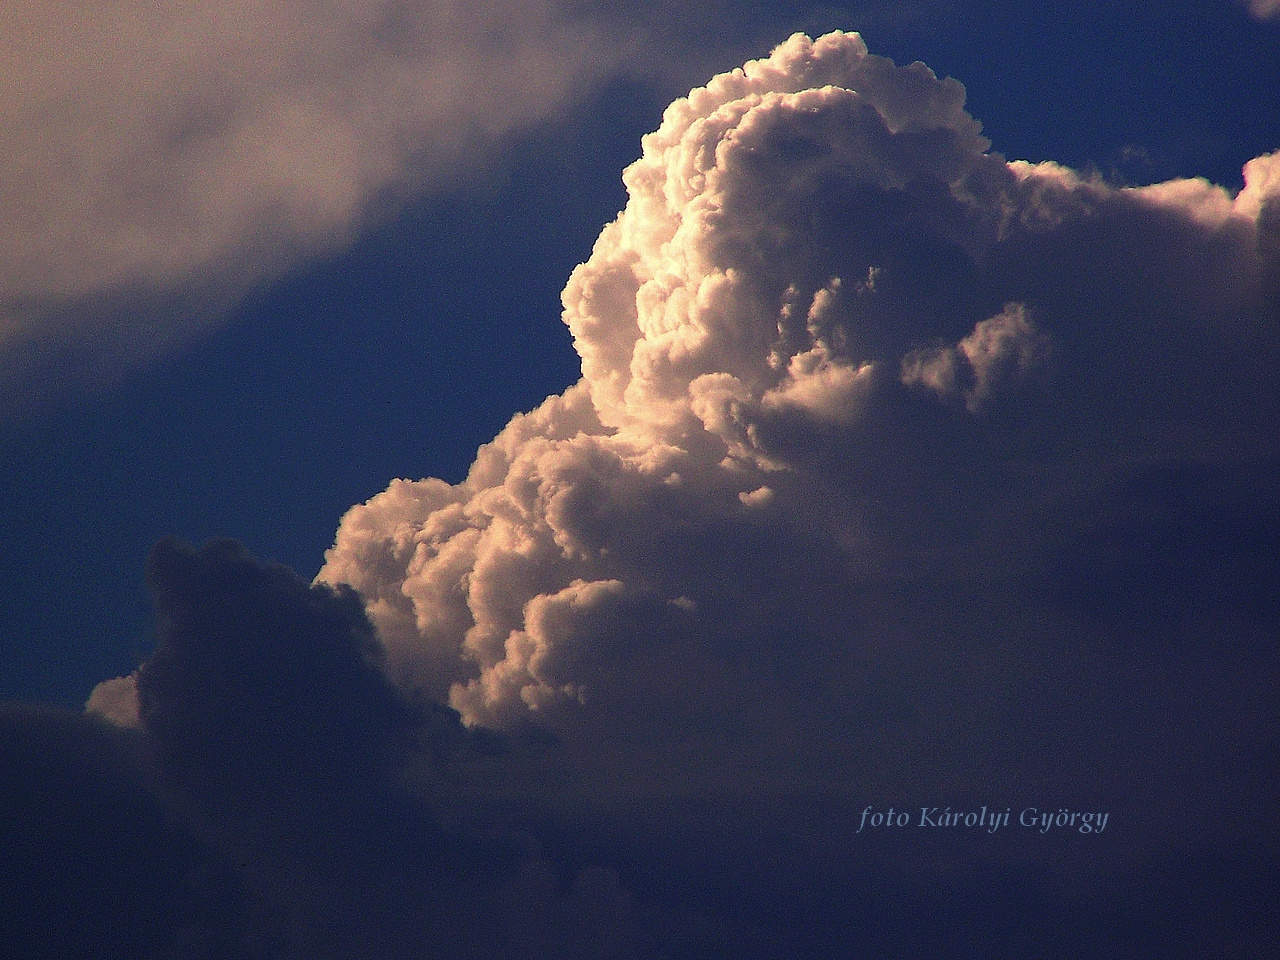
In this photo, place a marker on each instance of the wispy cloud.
(161, 158)
(1264, 9)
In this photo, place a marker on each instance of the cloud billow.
(885, 482)
(819, 254)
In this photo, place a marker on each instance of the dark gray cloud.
(273, 731)
(257, 674)
(94, 863)
(98, 863)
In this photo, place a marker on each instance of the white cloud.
(742, 464)
(898, 473)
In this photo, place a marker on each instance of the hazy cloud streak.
(161, 158)
(1264, 9)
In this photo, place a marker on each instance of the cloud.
(821, 519)
(268, 733)
(898, 474)
(1264, 9)
(116, 701)
(805, 240)
(161, 159)
(258, 675)
(94, 864)
(998, 354)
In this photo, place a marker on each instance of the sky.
(540, 480)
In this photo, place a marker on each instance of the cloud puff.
(161, 158)
(998, 354)
(808, 242)
(116, 700)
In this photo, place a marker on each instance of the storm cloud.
(899, 473)
(832, 338)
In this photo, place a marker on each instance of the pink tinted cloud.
(161, 158)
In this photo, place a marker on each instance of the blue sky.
(994, 520)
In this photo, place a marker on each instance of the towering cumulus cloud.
(844, 369)
(899, 476)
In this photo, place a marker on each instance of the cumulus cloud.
(821, 525)
(813, 246)
(998, 354)
(161, 158)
